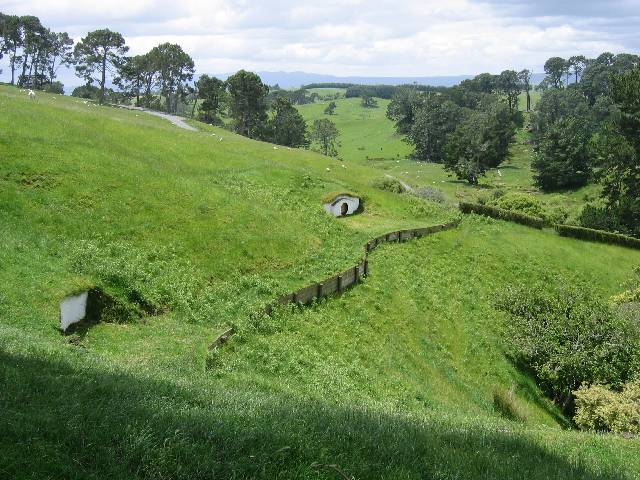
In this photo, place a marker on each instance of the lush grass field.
(394, 379)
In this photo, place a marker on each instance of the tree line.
(468, 127)
(585, 129)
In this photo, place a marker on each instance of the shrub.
(389, 184)
(598, 236)
(569, 337)
(431, 194)
(501, 214)
(521, 202)
(601, 409)
(504, 402)
(598, 218)
(54, 87)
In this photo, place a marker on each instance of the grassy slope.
(392, 379)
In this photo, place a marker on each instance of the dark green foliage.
(598, 236)
(211, 90)
(555, 68)
(556, 104)
(509, 85)
(325, 134)
(247, 103)
(368, 101)
(331, 109)
(480, 142)
(598, 217)
(568, 338)
(432, 120)
(389, 184)
(403, 107)
(286, 126)
(54, 87)
(562, 160)
(617, 149)
(96, 53)
(175, 68)
(86, 91)
(502, 214)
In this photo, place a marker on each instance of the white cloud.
(353, 37)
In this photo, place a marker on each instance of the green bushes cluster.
(598, 236)
(569, 338)
(389, 185)
(502, 214)
(601, 409)
(431, 194)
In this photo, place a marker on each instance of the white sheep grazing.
(275, 148)
(32, 94)
(220, 139)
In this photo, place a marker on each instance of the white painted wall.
(73, 309)
(335, 207)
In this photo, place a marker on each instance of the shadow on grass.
(61, 420)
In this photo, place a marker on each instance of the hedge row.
(597, 236)
(502, 214)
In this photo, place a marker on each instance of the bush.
(389, 184)
(521, 202)
(598, 236)
(569, 337)
(54, 87)
(598, 218)
(431, 194)
(601, 409)
(501, 214)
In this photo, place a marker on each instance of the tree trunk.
(528, 102)
(104, 76)
(13, 65)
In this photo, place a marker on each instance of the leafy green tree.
(286, 126)
(247, 105)
(509, 85)
(368, 101)
(577, 63)
(562, 160)
(211, 91)
(618, 152)
(131, 75)
(325, 133)
(331, 108)
(555, 69)
(480, 142)
(402, 108)
(433, 121)
(175, 68)
(96, 54)
(13, 38)
(556, 104)
(525, 81)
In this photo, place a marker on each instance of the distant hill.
(296, 79)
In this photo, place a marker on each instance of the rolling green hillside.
(368, 138)
(393, 379)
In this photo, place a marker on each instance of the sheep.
(220, 139)
(32, 94)
(275, 148)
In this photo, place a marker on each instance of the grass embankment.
(394, 379)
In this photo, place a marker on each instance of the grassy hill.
(368, 138)
(393, 379)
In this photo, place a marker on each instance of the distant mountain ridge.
(297, 79)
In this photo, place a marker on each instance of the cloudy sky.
(356, 37)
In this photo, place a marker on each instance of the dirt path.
(176, 120)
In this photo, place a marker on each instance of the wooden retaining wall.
(350, 277)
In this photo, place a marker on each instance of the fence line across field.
(348, 278)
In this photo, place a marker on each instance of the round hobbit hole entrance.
(344, 209)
